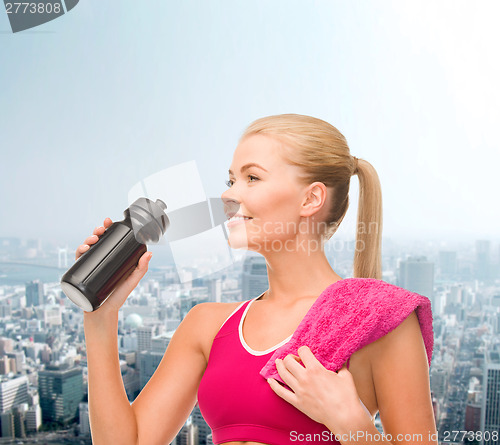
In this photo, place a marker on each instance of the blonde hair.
(323, 154)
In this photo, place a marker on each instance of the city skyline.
(41, 333)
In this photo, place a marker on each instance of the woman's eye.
(230, 182)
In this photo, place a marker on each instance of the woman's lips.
(238, 221)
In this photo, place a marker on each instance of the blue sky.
(115, 91)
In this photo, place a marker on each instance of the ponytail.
(368, 247)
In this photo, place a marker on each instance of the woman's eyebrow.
(250, 164)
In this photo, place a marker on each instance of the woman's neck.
(293, 276)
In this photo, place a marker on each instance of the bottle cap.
(149, 221)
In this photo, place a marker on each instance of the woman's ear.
(314, 199)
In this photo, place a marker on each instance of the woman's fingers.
(140, 270)
(81, 249)
(144, 261)
(121, 293)
(92, 239)
(98, 231)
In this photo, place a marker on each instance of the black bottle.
(108, 262)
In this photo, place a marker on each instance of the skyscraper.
(61, 391)
(448, 264)
(483, 260)
(34, 293)
(490, 412)
(144, 337)
(84, 420)
(215, 290)
(417, 275)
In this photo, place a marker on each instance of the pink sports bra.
(237, 402)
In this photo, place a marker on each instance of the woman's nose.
(231, 206)
(226, 194)
(231, 194)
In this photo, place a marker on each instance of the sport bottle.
(108, 262)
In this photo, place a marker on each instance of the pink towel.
(350, 314)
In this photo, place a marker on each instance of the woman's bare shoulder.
(210, 311)
(210, 317)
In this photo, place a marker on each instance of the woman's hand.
(117, 298)
(325, 396)
(98, 231)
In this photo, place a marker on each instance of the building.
(148, 362)
(448, 265)
(131, 380)
(61, 391)
(483, 265)
(160, 342)
(34, 293)
(188, 435)
(490, 410)
(17, 359)
(7, 365)
(254, 276)
(439, 381)
(13, 392)
(417, 275)
(6, 345)
(33, 418)
(215, 290)
(84, 420)
(144, 337)
(19, 413)
(7, 421)
(52, 315)
(203, 428)
(187, 302)
(472, 417)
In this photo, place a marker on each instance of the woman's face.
(268, 192)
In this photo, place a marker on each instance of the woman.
(288, 191)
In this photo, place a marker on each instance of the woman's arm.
(400, 373)
(401, 379)
(111, 418)
(164, 404)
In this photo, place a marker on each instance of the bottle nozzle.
(161, 204)
(149, 221)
